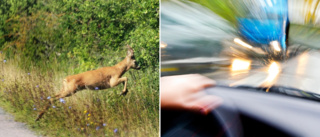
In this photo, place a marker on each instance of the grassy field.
(24, 92)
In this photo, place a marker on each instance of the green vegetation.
(227, 9)
(43, 41)
(224, 8)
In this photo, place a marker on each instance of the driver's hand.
(184, 92)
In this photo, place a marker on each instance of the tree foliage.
(82, 31)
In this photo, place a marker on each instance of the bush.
(84, 31)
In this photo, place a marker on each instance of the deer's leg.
(124, 81)
(56, 97)
(68, 89)
(116, 82)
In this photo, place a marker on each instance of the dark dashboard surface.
(246, 113)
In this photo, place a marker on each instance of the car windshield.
(205, 37)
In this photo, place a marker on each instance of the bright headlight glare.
(163, 45)
(275, 45)
(239, 64)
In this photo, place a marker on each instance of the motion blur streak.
(221, 32)
(302, 64)
(270, 3)
(240, 42)
(169, 69)
(187, 25)
(239, 64)
(304, 12)
(275, 45)
(273, 71)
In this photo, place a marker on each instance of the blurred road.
(301, 71)
(206, 40)
(10, 128)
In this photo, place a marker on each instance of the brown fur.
(103, 78)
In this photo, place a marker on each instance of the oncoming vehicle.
(266, 25)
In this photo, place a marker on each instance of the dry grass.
(87, 113)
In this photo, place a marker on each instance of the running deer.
(102, 78)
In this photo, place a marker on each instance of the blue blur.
(270, 24)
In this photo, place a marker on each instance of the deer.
(99, 79)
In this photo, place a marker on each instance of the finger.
(199, 82)
(194, 96)
(207, 83)
(204, 104)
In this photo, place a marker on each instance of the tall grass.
(25, 87)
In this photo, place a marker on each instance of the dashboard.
(246, 113)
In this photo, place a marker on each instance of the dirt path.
(10, 128)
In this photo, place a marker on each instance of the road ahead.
(300, 72)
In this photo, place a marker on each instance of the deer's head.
(131, 59)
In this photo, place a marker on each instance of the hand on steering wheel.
(184, 92)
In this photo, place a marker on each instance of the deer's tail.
(44, 110)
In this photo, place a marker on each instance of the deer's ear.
(130, 51)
